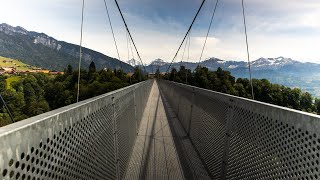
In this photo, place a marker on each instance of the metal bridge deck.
(162, 149)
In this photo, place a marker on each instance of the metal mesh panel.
(207, 122)
(64, 151)
(239, 138)
(126, 128)
(208, 129)
(172, 98)
(141, 97)
(281, 144)
(190, 162)
(184, 107)
(139, 103)
(73, 142)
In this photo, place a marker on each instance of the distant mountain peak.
(213, 59)
(134, 62)
(10, 30)
(212, 62)
(280, 58)
(158, 62)
(273, 62)
(5, 25)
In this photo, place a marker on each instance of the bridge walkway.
(162, 149)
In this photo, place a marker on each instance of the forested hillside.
(223, 81)
(36, 93)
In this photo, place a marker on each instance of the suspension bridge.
(159, 129)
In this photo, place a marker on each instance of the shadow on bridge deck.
(163, 149)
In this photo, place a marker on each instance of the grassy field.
(6, 62)
(12, 79)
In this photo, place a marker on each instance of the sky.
(289, 28)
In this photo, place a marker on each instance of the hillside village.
(14, 67)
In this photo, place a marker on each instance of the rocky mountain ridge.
(42, 50)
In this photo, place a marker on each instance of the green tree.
(69, 70)
(91, 72)
(201, 77)
(317, 105)
(3, 84)
(15, 102)
(137, 75)
(92, 67)
(292, 98)
(240, 90)
(173, 74)
(306, 102)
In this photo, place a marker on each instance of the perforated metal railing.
(235, 138)
(238, 138)
(92, 139)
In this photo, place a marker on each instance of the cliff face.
(49, 42)
(42, 50)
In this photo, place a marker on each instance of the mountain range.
(279, 64)
(280, 70)
(41, 50)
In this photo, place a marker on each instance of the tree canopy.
(36, 93)
(223, 81)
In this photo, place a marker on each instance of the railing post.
(191, 110)
(227, 139)
(115, 138)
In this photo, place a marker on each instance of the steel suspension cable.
(195, 17)
(131, 48)
(247, 44)
(80, 55)
(189, 47)
(205, 41)
(124, 21)
(128, 46)
(185, 45)
(189, 39)
(114, 39)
